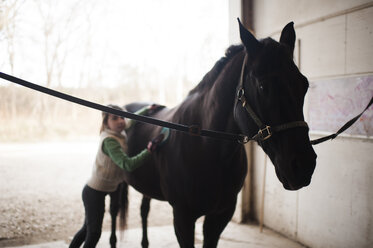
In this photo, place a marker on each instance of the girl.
(111, 162)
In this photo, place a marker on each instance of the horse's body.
(201, 176)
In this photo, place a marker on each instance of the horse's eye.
(261, 87)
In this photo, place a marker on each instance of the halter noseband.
(265, 131)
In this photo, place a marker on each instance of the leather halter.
(265, 131)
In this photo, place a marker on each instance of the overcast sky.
(97, 39)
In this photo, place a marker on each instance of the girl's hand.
(154, 144)
(150, 146)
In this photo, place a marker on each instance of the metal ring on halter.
(240, 93)
(243, 139)
(241, 96)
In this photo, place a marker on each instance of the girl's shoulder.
(107, 133)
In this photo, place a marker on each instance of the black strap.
(343, 128)
(193, 130)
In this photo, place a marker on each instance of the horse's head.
(273, 88)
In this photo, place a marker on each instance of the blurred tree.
(9, 11)
(57, 39)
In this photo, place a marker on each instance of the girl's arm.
(112, 148)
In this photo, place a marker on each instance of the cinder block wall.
(336, 210)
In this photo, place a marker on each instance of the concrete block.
(322, 48)
(280, 207)
(335, 210)
(272, 15)
(359, 40)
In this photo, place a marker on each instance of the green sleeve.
(142, 111)
(112, 148)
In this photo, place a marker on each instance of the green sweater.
(113, 149)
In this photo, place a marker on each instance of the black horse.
(201, 176)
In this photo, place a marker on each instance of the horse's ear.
(288, 36)
(250, 42)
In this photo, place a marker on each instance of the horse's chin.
(294, 174)
(294, 186)
(292, 183)
(287, 186)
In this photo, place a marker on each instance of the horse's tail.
(123, 206)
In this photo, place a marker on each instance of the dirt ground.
(40, 192)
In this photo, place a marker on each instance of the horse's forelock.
(273, 57)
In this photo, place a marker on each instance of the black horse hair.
(210, 77)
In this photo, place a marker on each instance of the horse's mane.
(210, 77)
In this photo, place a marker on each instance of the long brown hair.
(105, 116)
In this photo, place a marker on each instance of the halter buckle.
(265, 133)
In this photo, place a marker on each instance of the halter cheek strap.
(265, 131)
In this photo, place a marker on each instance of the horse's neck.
(220, 99)
(212, 108)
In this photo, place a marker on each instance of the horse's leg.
(184, 224)
(214, 225)
(145, 206)
(114, 208)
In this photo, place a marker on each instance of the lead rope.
(343, 128)
(192, 129)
